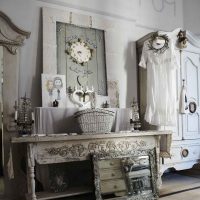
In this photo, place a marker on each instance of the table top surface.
(70, 137)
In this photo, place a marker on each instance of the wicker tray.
(95, 120)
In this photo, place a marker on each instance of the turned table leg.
(31, 172)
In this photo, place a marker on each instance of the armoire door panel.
(191, 74)
(193, 123)
(191, 78)
(177, 129)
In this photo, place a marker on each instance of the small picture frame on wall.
(53, 90)
(113, 93)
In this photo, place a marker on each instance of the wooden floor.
(189, 195)
(183, 185)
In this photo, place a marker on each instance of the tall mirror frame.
(11, 38)
(127, 176)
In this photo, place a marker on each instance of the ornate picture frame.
(137, 177)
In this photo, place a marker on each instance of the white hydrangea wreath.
(80, 52)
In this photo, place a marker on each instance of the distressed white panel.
(193, 123)
(192, 78)
(191, 73)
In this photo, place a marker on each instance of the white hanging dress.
(161, 68)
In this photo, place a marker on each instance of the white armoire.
(185, 148)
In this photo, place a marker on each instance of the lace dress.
(161, 85)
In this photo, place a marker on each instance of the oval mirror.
(192, 107)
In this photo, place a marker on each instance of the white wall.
(135, 18)
(191, 15)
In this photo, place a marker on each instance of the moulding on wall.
(86, 9)
(156, 6)
(193, 39)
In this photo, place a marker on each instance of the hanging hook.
(183, 82)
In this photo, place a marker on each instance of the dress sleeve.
(143, 59)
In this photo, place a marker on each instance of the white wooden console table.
(61, 148)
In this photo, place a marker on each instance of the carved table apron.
(59, 148)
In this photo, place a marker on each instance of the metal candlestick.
(24, 116)
(135, 118)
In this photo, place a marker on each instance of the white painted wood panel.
(191, 74)
(177, 156)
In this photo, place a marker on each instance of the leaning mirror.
(11, 38)
(125, 177)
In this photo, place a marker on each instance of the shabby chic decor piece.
(126, 177)
(61, 148)
(11, 37)
(81, 56)
(95, 120)
(158, 43)
(113, 93)
(83, 97)
(192, 107)
(183, 103)
(24, 116)
(53, 88)
(186, 132)
(79, 51)
(61, 29)
(134, 115)
(162, 66)
(182, 39)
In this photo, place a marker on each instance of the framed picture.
(81, 56)
(75, 45)
(53, 90)
(113, 93)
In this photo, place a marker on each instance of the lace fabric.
(161, 85)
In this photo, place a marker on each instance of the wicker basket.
(95, 120)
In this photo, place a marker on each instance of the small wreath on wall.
(158, 43)
(79, 51)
